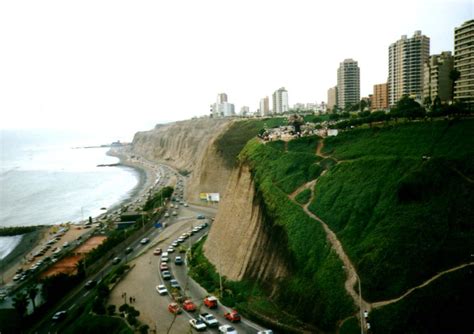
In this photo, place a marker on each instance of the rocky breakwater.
(188, 146)
(242, 243)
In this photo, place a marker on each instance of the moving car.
(90, 284)
(157, 251)
(200, 217)
(166, 275)
(197, 324)
(232, 316)
(266, 331)
(209, 319)
(210, 302)
(128, 250)
(178, 260)
(174, 284)
(116, 260)
(161, 289)
(58, 316)
(144, 241)
(227, 329)
(189, 306)
(174, 308)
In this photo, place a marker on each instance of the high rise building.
(280, 101)
(348, 83)
(380, 97)
(436, 80)
(264, 106)
(221, 97)
(244, 111)
(222, 108)
(405, 67)
(332, 98)
(464, 62)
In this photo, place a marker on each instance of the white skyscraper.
(280, 101)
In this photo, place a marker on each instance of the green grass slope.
(400, 218)
(315, 290)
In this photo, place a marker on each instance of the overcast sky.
(132, 64)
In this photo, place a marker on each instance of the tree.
(20, 303)
(32, 292)
(111, 309)
(362, 105)
(407, 107)
(296, 120)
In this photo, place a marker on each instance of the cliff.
(241, 244)
(188, 145)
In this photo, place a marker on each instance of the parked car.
(197, 324)
(266, 331)
(170, 249)
(163, 266)
(227, 329)
(174, 308)
(161, 289)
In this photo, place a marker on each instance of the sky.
(128, 65)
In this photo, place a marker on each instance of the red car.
(210, 301)
(189, 306)
(232, 316)
(163, 266)
(174, 308)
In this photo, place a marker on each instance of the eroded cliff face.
(188, 145)
(241, 243)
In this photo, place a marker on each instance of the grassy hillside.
(400, 218)
(315, 290)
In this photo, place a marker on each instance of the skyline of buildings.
(412, 71)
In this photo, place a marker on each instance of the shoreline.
(146, 182)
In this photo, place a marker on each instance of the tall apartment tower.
(437, 81)
(380, 97)
(405, 67)
(264, 106)
(221, 98)
(464, 62)
(348, 83)
(280, 101)
(332, 98)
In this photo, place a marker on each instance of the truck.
(209, 319)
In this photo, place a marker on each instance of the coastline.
(146, 180)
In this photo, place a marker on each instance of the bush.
(111, 309)
(304, 196)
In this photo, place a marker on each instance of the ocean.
(47, 177)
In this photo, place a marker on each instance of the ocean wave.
(8, 244)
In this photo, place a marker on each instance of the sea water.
(48, 177)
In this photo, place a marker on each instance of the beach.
(20, 256)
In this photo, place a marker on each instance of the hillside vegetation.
(315, 290)
(401, 218)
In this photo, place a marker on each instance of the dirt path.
(425, 283)
(462, 175)
(308, 185)
(320, 148)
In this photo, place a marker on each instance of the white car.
(144, 241)
(266, 331)
(197, 324)
(227, 329)
(209, 319)
(170, 249)
(161, 289)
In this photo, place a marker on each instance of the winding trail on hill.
(422, 285)
(307, 185)
(319, 148)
